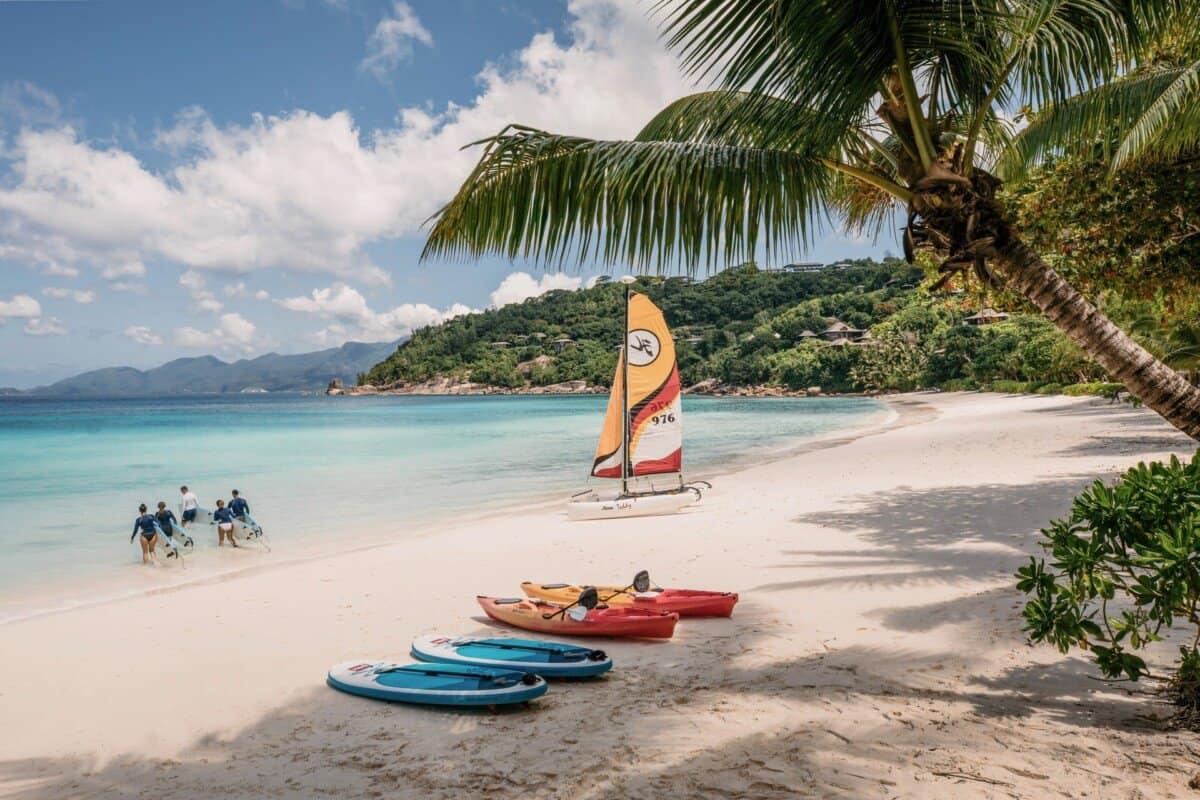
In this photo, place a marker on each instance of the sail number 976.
(662, 419)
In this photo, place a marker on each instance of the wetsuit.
(166, 521)
(146, 524)
(223, 515)
(239, 507)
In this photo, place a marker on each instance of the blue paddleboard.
(436, 684)
(548, 659)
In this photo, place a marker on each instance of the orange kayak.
(536, 615)
(684, 602)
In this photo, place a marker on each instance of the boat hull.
(684, 602)
(650, 505)
(608, 621)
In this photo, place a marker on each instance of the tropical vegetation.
(861, 110)
(1124, 572)
(746, 327)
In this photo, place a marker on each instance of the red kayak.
(536, 615)
(684, 602)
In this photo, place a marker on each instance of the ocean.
(320, 473)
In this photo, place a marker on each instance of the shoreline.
(377, 537)
(875, 652)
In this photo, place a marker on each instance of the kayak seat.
(508, 601)
(555, 585)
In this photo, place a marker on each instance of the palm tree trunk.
(1153, 382)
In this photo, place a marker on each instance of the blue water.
(72, 473)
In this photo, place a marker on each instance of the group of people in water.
(162, 524)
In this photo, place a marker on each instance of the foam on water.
(318, 471)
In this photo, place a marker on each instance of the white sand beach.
(876, 651)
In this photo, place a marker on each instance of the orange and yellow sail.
(655, 422)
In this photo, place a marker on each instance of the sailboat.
(642, 437)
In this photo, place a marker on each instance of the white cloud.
(21, 306)
(129, 286)
(232, 198)
(233, 333)
(392, 40)
(205, 300)
(44, 326)
(334, 335)
(234, 289)
(128, 269)
(28, 104)
(143, 335)
(56, 270)
(78, 295)
(345, 304)
(520, 286)
(262, 294)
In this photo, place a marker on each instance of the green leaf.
(552, 199)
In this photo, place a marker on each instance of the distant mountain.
(211, 375)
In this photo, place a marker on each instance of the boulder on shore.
(335, 387)
(526, 367)
(567, 387)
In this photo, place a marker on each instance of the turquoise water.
(315, 468)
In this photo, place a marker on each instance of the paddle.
(588, 599)
(641, 584)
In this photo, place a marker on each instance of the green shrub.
(1009, 387)
(958, 385)
(1125, 568)
(1098, 388)
(1049, 388)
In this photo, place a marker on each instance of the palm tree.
(855, 108)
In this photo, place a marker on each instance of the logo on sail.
(643, 348)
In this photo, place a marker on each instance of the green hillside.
(746, 326)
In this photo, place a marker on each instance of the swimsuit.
(146, 523)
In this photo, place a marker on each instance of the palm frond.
(1101, 114)
(553, 199)
(866, 209)
(1170, 126)
(830, 55)
(1061, 47)
(745, 119)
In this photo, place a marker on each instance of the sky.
(237, 178)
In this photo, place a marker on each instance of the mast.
(627, 280)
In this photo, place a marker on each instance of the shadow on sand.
(922, 713)
(951, 535)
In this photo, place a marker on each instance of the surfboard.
(248, 531)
